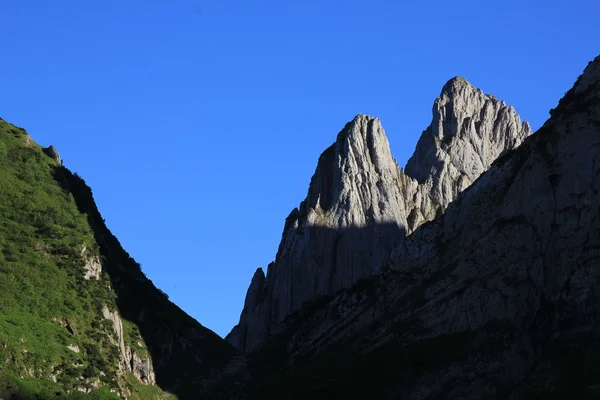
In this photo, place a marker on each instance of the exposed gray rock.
(93, 267)
(117, 324)
(360, 204)
(357, 184)
(496, 298)
(74, 347)
(468, 132)
(53, 154)
(141, 367)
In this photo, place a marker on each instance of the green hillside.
(54, 339)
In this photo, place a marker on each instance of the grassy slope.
(45, 304)
(182, 350)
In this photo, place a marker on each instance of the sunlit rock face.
(360, 204)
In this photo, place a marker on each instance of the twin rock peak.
(360, 204)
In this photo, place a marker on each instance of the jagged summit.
(360, 204)
(361, 117)
(344, 185)
(589, 77)
(468, 132)
(496, 298)
(256, 288)
(454, 85)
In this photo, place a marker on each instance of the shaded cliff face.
(497, 298)
(76, 312)
(53, 333)
(360, 204)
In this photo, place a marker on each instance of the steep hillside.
(77, 315)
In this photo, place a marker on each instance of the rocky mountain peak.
(256, 288)
(455, 85)
(590, 76)
(468, 132)
(350, 181)
(360, 205)
(494, 297)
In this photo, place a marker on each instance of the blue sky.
(198, 124)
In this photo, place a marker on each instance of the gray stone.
(140, 367)
(92, 267)
(74, 347)
(468, 132)
(360, 204)
(130, 361)
(53, 154)
(514, 261)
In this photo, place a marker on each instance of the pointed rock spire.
(351, 184)
(468, 132)
(360, 204)
(353, 211)
(242, 336)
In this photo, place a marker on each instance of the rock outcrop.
(468, 132)
(92, 267)
(51, 152)
(360, 204)
(130, 361)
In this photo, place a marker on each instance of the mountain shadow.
(181, 349)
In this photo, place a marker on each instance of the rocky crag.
(360, 203)
(496, 298)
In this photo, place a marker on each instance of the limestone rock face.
(117, 324)
(360, 204)
(354, 210)
(92, 267)
(53, 154)
(468, 132)
(496, 296)
(141, 367)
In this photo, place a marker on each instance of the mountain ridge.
(358, 183)
(495, 298)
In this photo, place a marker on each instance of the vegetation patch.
(54, 339)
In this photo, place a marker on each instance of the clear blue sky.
(198, 124)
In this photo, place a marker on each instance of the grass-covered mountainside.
(77, 315)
